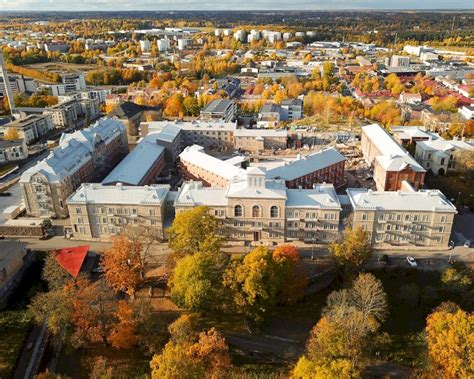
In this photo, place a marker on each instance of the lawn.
(14, 328)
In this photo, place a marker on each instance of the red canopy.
(71, 258)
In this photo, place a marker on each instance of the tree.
(124, 333)
(292, 273)
(183, 329)
(123, 266)
(211, 350)
(175, 362)
(56, 276)
(197, 281)
(254, 282)
(458, 278)
(193, 231)
(11, 134)
(450, 338)
(174, 106)
(353, 251)
(366, 295)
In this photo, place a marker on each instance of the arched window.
(255, 211)
(274, 211)
(238, 211)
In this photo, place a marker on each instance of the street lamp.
(312, 248)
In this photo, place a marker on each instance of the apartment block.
(391, 163)
(13, 150)
(325, 166)
(83, 156)
(196, 164)
(98, 212)
(31, 128)
(257, 140)
(141, 166)
(219, 110)
(64, 114)
(408, 218)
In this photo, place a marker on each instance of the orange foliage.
(124, 335)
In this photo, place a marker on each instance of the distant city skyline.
(162, 5)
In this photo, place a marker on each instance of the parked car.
(467, 243)
(385, 259)
(411, 261)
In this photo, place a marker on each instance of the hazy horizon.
(196, 5)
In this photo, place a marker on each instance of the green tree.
(197, 281)
(353, 251)
(254, 282)
(193, 231)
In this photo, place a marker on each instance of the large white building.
(407, 218)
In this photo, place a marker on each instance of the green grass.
(6, 167)
(14, 328)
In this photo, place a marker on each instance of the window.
(364, 217)
(274, 211)
(78, 211)
(255, 211)
(238, 211)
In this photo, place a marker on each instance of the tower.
(6, 82)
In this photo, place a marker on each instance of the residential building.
(391, 163)
(83, 156)
(416, 219)
(141, 166)
(13, 150)
(291, 110)
(436, 121)
(31, 128)
(439, 156)
(197, 165)
(258, 140)
(325, 166)
(170, 137)
(90, 108)
(210, 134)
(467, 112)
(74, 82)
(399, 61)
(408, 135)
(410, 98)
(64, 114)
(269, 116)
(219, 109)
(99, 212)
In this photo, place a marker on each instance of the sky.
(115, 5)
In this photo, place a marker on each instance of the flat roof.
(304, 165)
(195, 154)
(283, 133)
(217, 106)
(323, 196)
(89, 193)
(137, 163)
(423, 200)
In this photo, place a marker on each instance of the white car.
(412, 261)
(467, 243)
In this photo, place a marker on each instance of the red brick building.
(325, 166)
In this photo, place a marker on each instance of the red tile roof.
(71, 258)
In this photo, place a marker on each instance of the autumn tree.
(353, 251)
(124, 333)
(257, 281)
(194, 230)
(197, 281)
(174, 106)
(55, 275)
(123, 265)
(206, 355)
(11, 134)
(292, 273)
(450, 338)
